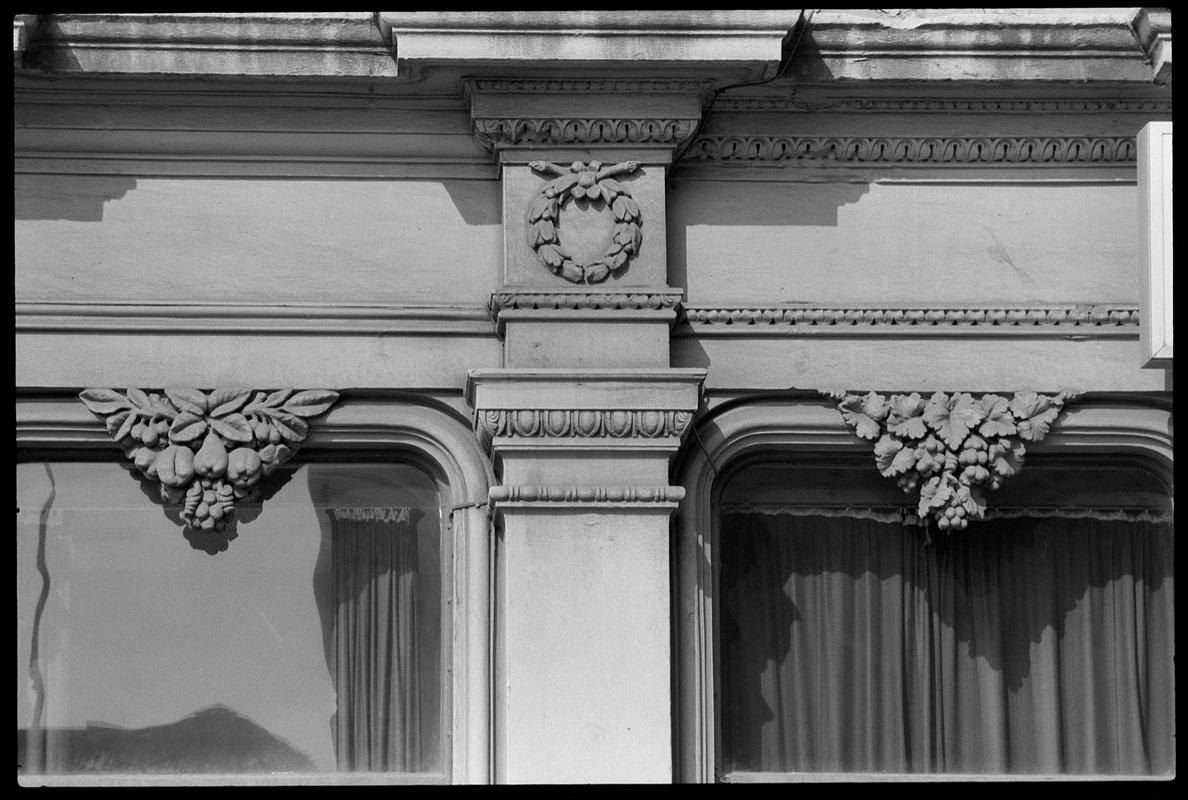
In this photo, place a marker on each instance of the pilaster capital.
(574, 409)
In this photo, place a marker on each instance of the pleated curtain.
(1033, 646)
(377, 725)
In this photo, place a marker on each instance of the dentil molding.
(208, 452)
(937, 319)
(950, 447)
(578, 299)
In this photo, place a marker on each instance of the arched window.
(323, 643)
(825, 633)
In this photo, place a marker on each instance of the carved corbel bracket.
(208, 452)
(950, 447)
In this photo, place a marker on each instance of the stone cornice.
(1153, 29)
(333, 44)
(1095, 320)
(1017, 44)
(904, 150)
(946, 105)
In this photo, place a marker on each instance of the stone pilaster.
(582, 423)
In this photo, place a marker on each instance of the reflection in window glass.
(312, 643)
(1029, 643)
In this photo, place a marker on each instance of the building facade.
(570, 397)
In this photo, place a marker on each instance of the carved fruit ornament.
(208, 451)
(951, 447)
(597, 183)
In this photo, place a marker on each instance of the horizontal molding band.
(584, 423)
(219, 319)
(588, 494)
(932, 150)
(584, 300)
(202, 166)
(1091, 320)
(946, 105)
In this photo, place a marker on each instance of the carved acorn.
(175, 465)
(244, 467)
(211, 461)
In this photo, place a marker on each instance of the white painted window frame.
(1155, 242)
(406, 428)
(1104, 425)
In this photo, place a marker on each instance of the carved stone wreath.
(597, 183)
(950, 447)
(208, 451)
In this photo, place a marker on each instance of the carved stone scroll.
(597, 183)
(950, 447)
(208, 451)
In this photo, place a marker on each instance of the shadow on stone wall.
(78, 198)
(749, 204)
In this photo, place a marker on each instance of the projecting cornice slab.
(999, 44)
(728, 46)
(339, 44)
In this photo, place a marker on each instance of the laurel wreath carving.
(597, 183)
(951, 447)
(208, 451)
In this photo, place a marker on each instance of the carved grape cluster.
(595, 182)
(950, 447)
(208, 451)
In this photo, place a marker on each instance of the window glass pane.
(1024, 644)
(312, 643)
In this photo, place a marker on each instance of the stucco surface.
(904, 242)
(92, 237)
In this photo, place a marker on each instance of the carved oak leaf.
(190, 400)
(104, 401)
(310, 403)
(186, 427)
(225, 401)
(906, 416)
(999, 420)
(1035, 413)
(952, 417)
(864, 413)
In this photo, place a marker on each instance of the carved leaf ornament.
(951, 447)
(208, 451)
(597, 183)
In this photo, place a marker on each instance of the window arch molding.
(1137, 428)
(428, 433)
